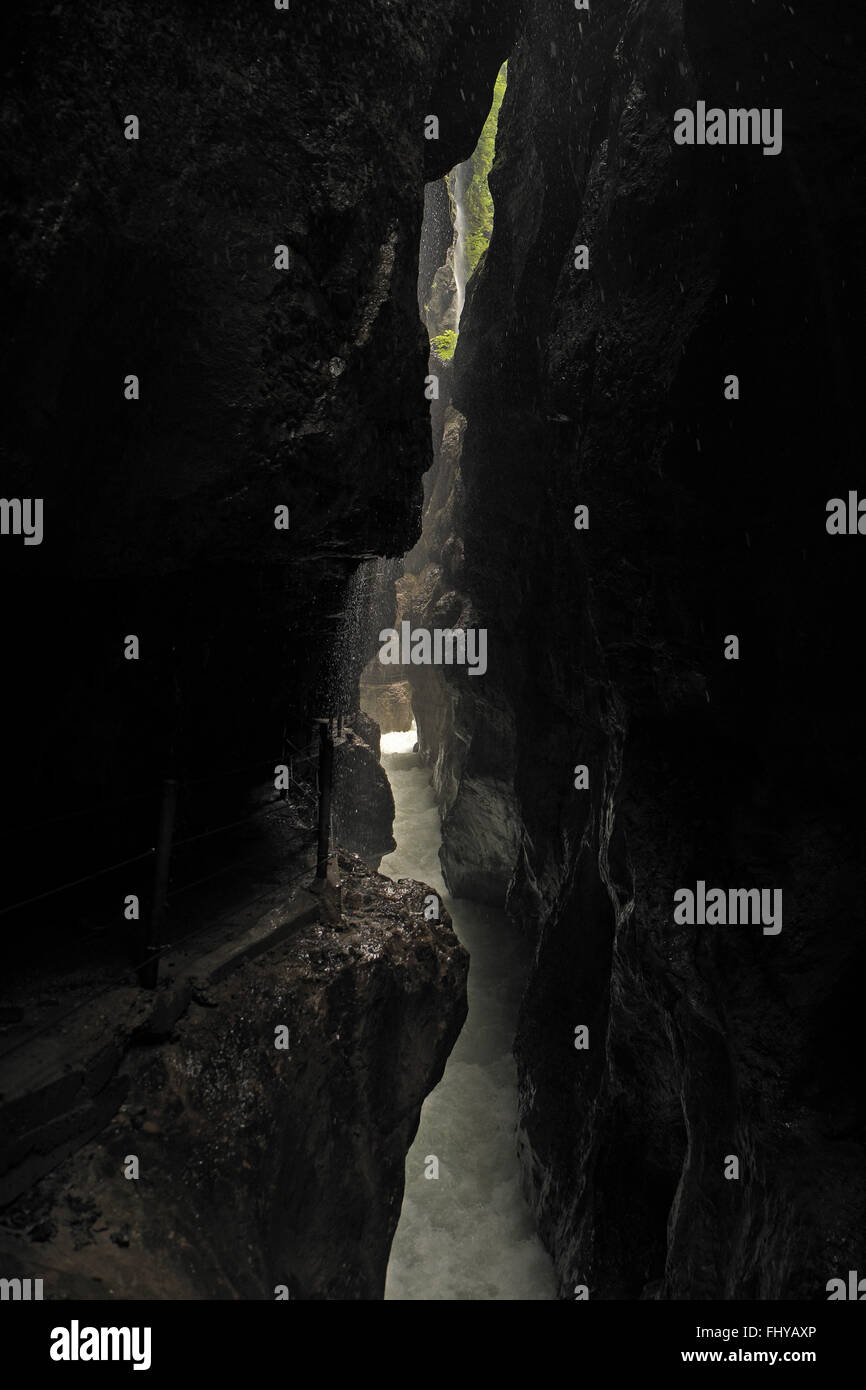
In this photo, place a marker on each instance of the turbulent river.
(467, 1234)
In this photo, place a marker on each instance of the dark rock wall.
(604, 387)
(259, 387)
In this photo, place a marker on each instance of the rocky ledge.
(262, 1165)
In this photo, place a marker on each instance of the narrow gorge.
(436, 327)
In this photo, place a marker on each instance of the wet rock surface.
(363, 806)
(262, 1167)
(390, 704)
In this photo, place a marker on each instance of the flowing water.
(369, 588)
(467, 1234)
(460, 179)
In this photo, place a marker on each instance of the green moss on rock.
(443, 344)
(478, 203)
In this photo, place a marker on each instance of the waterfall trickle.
(459, 183)
(466, 1234)
(369, 590)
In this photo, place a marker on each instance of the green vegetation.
(478, 202)
(443, 344)
(477, 207)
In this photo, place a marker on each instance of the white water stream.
(467, 1234)
(462, 175)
